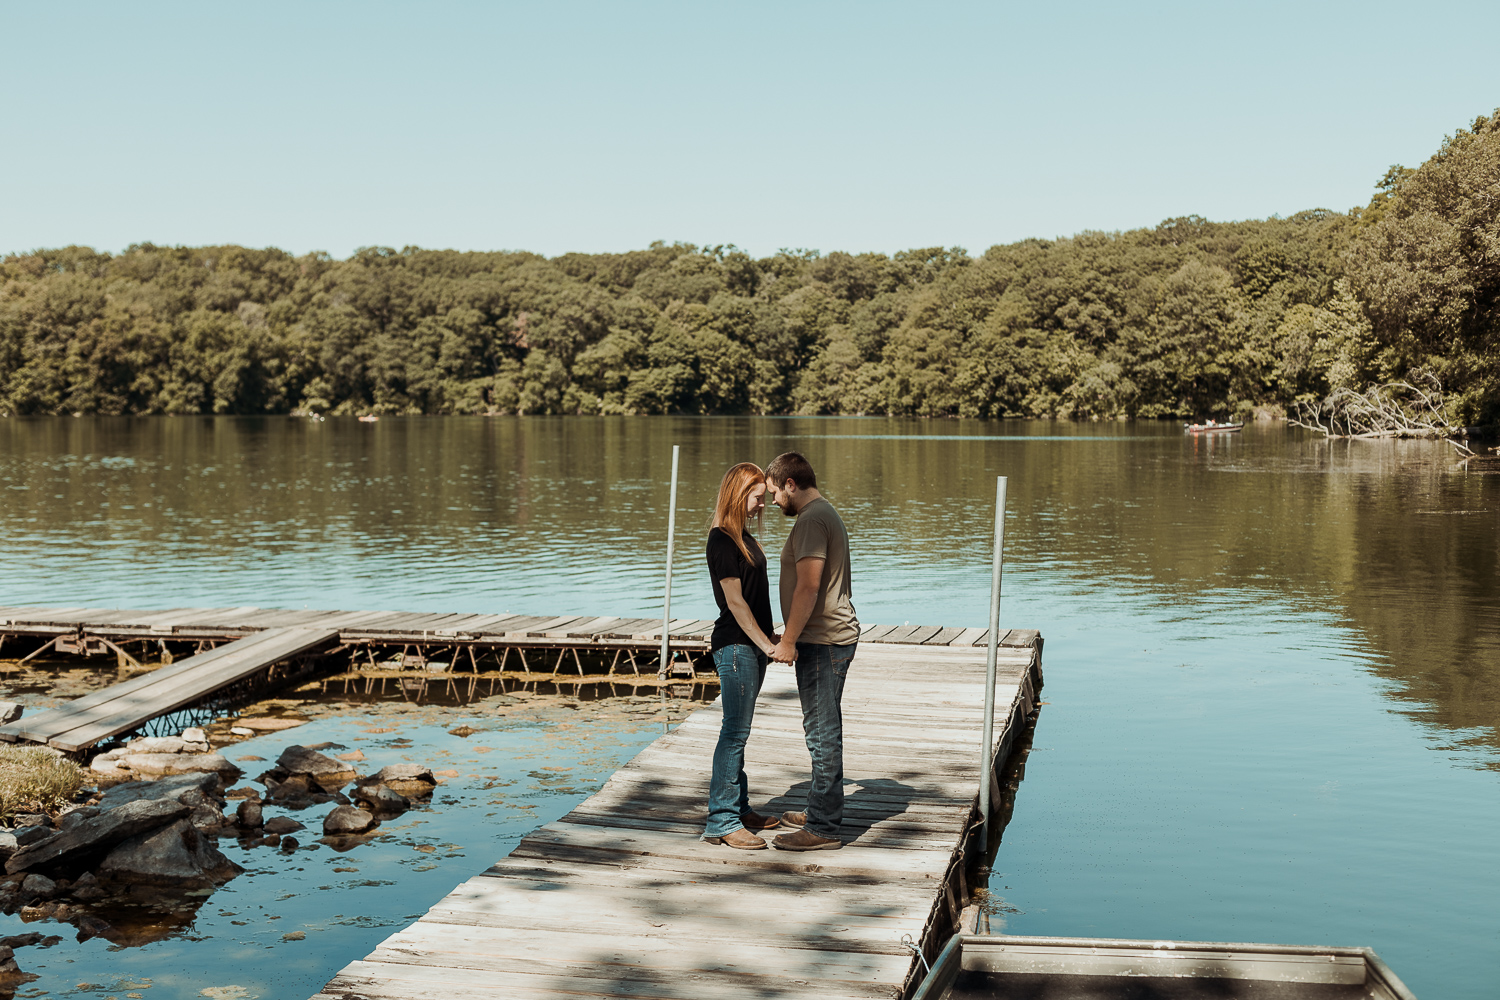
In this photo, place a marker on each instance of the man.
(819, 636)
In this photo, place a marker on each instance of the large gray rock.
(10, 711)
(320, 767)
(412, 780)
(176, 763)
(94, 836)
(29, 835)
(347, 819)
(180, 788)
(172, 855)
(8, 844)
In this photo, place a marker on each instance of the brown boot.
(742, 840)
(755, 821)
(794, 819)
(805, 840)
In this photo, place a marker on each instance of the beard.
(788, 512)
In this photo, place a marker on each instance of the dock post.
(986, 752)
(666, 604)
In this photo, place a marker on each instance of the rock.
(272, 841)
(245, 792)
(156, 744)
(270, 723)
(191, 789)
(241, 731)
(320, 767)
(382, 799)
(176, 854)
(294, 936)
(73, 817)
(411, 780)
(8, 959)
(8, 844)
(194, 735)
(95, 835)
(250, 756)
(208, 818)
(30, 819)
(91, 927)
(27, 940)
(10, 711)
(195, 748)
(86, 889)
(347, 819)
(248, 815)
(289, 843)
(38, 911)
(38, 887)
(282, 824)
(177, 763)
(109, 768)
(352, 755)
(326, 746)
(34, 835)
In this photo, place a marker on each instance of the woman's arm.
(742, 614)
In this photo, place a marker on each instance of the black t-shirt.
(725, 561)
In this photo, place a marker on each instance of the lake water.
(1272, 663)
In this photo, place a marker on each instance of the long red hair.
(729, 509)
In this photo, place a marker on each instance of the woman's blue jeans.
(742, 670)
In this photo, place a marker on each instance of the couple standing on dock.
(819, 634)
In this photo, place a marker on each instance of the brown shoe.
(742, 840)
(755, 821)
(804, 840)
(794, 819)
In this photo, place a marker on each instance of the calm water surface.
(1272, 664)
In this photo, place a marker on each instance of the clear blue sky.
(602, 126)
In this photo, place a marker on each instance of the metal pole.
(666, 604)
(992, 650)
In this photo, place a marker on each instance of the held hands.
(784, 652)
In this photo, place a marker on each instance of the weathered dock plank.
(621, 899)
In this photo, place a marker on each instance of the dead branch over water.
(1414, 409)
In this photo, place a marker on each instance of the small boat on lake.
(368, 418)
(1001, 967)
(1211, 426)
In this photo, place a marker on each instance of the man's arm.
(809, 577)
(740, 608)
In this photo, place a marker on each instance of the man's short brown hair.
(793, 466)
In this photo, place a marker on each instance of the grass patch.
(35, 780)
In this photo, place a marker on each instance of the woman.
(742, 641)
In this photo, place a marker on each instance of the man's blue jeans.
(742, 669)
(820, 685)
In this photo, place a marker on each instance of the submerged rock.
(94, 835)
(173, 855)
(347, 819)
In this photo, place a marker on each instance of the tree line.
(1190, 318)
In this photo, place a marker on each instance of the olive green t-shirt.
(820, 534)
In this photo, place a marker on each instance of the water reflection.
(562, 516)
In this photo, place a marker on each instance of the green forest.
(1188, 319)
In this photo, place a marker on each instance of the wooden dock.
(621, 899)
(228, 648)
(123, 707)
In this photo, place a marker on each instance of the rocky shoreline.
(150, 832)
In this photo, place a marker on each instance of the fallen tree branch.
(1391, 410)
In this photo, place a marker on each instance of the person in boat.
(819, 634)
(743, 639)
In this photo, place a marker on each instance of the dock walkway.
(621, 899)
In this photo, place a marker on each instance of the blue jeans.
(742, 669)
(820, 686)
